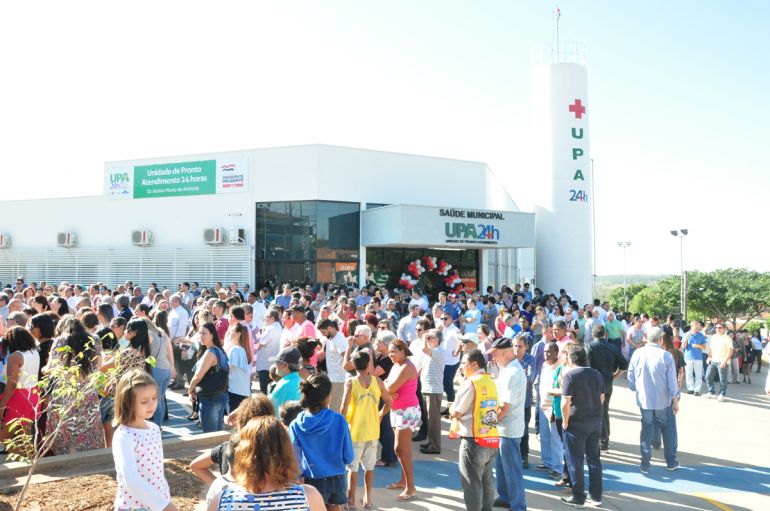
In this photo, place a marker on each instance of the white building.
(307, 213)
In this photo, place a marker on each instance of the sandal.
(192, 417)
(381, 463)
(395, 486)
(406, 498)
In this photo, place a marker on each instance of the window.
(303, 233)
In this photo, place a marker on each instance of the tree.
(64, 389)
(653, 301)
(616, 295)
(729, 294)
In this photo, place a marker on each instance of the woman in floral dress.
(80, 427)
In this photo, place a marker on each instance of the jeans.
(212, 411)
(264, 380)
(551, 449)
(387, 440)
(476, 475)
(693, 372)
(525, 436)
(606, 414)
(581, 439)
(449, 377)
(617, 343)
(715, 368)
(657, 435)
(510, 475)
(665, 420)
(162, 378)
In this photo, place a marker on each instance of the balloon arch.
(415, 270)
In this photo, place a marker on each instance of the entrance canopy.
(404, 225)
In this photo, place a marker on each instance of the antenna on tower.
(556, 16)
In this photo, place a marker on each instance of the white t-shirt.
(449, 344)
(335, 351)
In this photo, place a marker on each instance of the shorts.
(364, 454)
(406, 418)
(334, 489)
(106, 409)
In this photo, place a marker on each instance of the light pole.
(681, 233)
(624, 245)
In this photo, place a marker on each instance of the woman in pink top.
(404, 415)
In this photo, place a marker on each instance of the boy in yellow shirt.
(360, 403)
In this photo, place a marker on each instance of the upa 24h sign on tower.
(577, 193)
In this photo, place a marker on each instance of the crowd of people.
(321, 381)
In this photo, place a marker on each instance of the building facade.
(312, 213)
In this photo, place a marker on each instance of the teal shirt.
(286, 390)
(614, 329)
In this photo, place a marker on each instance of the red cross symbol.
(578, 109)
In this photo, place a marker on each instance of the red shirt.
(222, 325)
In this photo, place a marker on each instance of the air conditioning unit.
(5, 240)
(237, 236)
(141, 238)
(66, 239)
(214, 236)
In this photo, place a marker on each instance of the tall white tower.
(563, 208)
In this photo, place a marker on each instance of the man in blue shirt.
(284, 300)
(693, 344)
(527, 362)
(652, 374)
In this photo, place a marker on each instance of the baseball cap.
(502, 343)
(469, 338)
(298, 308)
(288, 356)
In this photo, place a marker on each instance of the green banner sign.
(175, 179)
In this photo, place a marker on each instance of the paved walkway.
(724, 449)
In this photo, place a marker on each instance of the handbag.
(215, 380)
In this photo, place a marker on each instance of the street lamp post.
(624, 245)
(681, 233)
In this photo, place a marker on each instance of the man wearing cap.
(407, 327)
(468, 342)
(287, 365)
(475, 409)
(306, 327)
(511, 395)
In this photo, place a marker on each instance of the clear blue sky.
(678, 99)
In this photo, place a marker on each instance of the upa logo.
(471, 231)
(119, 185)
(119, 177)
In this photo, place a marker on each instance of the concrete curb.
(101, 460)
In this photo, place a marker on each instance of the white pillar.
(563, 213)
(361, 248)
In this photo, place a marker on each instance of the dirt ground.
(97, 492)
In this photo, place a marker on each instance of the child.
(321, 439)
(360, 401)
(222, 455)
(288, 412)
(137, 446)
